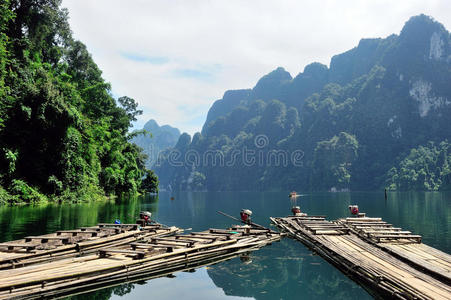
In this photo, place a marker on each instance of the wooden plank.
(377, 228)
(327, 232)
(135, 254)
(307, 217)
(102, 229)
(170, 242)
(389, 232)
(364, 219)
(222, 231)
(361, 225)
(27, 246)
(394, 236)
(133, 226)
(203, 237)
(228, 236)
(45, 239)
(77, 232)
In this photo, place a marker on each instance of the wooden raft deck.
(68, 243)
(150, 257)
(403, 245)
(370, 260)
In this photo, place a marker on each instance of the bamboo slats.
(379, 231)
(404, 245)
(69, 243)
(359, 254)
(148, 257)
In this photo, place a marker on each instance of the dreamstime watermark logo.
(259, 154)
(261, 141)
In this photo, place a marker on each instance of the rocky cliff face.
(386, 96)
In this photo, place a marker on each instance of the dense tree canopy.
(424, 168)
(62, 134)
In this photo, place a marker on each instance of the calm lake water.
(283, 270)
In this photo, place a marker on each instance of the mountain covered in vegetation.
(378, 117)
(156, 139)
(62, 134)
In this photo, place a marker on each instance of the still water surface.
(284, 270)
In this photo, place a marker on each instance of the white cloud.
(193, 51)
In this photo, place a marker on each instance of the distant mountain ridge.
(356, 123)
(159, 138)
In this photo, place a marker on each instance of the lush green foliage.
(150, 182)
(62, 135)
(424, 168)
(333, 160)
(353, 122)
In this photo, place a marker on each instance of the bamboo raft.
(403, 245)
(69, 243)
(385, 260)
(152, 256)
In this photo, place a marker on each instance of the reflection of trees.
(17, 222)
(284, 271)
(105, 294)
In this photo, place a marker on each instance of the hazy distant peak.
(426, 39)
(236, 93)
(369, 42)
(420, 29)
(315, 69)
(271, 84)
(421, 21)
(183, 142)
(161, 138)
(277, 76)
(151, 124)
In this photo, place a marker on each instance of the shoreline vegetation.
(63, 137)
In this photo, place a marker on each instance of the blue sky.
(155, 60)
(175, 58)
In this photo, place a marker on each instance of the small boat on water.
(293, 194)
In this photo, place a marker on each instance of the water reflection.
(17, 222)
(285, 270)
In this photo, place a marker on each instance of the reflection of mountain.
(284, 271)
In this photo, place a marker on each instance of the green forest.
(63, 137)
(378, 117)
